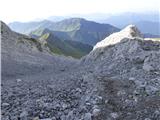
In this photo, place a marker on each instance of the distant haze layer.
(26, 10)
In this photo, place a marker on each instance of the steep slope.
(30, 76)
(128, 70)
(76, 29)
(22, 54)
(91, 32)
(58, 46)
(38, 32)
(119, 80)
(37, 85)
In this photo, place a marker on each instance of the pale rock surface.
(130, 31)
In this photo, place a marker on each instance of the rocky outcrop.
(118, 80)
(127, 67)
(130, 31)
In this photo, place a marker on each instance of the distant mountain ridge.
(46, 41)
(58, 46)
(146, 22)
(76, 29)
(148, 35)
(149, 27)
(26, 28)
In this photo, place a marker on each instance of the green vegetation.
(37, 32)
(45, 36)
(76, 29)
(64, 47)
(71, 37)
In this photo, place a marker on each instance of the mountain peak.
(4, 27)
(73, 20)
(131, 31)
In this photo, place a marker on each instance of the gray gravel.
(117, 82)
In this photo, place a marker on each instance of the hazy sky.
(26, 10)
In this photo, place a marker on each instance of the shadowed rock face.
(119, 81)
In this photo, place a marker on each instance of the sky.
(27, 10)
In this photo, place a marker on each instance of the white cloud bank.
(25, 10)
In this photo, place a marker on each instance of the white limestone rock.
(130, 31)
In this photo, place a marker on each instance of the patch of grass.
(45, 36)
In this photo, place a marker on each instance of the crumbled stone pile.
(129, 73)
(118, 80)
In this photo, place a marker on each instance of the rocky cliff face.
(118, 80)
